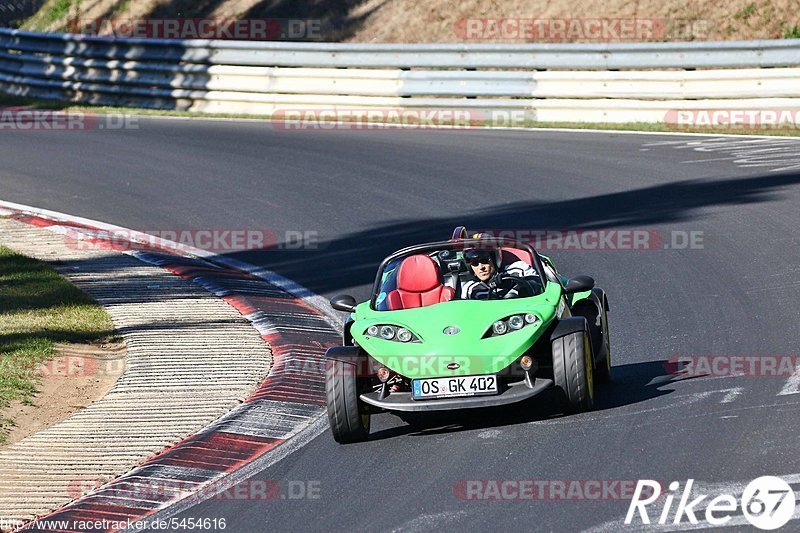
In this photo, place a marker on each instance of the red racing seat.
(512, 255)
(419, 284)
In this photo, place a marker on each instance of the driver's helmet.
(478, 252)
(474, 256)
(482, 252)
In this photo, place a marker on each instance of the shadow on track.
(632, 384)
(351, 260)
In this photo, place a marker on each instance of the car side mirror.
(343, 302)
(579, 284)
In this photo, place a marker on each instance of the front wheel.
(572, 371)
(347, 414)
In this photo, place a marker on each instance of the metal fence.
(561, 82)
(14, 12)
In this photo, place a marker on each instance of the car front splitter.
(401, 401)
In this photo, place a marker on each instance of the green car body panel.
(473, 349)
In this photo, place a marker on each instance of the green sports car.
(420, 344)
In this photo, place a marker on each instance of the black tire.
(603, 369)
(573, 372)
(347, 414)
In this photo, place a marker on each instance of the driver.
(486, 277)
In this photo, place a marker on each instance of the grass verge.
(7, 100)
(39, 308)
(51, 12)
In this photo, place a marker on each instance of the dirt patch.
(439, 21)
(78, 376)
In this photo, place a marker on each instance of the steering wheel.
(505, 284)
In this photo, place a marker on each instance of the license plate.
(424, 389)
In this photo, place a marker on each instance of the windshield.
(424, 277)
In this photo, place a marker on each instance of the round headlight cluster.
(513, 323)
(516, 322)
(387, 332)
(391, 333)
(403, 335)
(499, 327)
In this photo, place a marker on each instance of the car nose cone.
(451, 330)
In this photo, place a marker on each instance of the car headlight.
(516, 322)
(387, 332)
(512, 323)
(390, 332)
(499, 327)
(403, 335)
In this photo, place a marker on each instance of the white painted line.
(792, 385)
(680, 401)
(114, 434)
(729, 395)
(292, 444)
(292, 287)
(781, 154)
(295, 439)
(736, 521)
(706, 160)
(659, 380)
(432, 521)
(268, 120)
(726, 141)
(732, 394)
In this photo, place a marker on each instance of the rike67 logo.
(767, 503)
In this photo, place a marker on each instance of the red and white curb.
(190, 359)
(289, 401)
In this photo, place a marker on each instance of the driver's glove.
(494, 282)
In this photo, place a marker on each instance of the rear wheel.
(572, 371)
(604, 366)
(347, 414)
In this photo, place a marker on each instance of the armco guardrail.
(734, 54)
(567, 82)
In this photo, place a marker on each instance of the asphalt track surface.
(367, 193)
